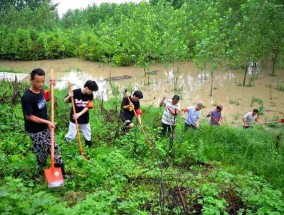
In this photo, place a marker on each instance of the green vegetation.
(5, 69)
(260, 102)
(280, 85)
(216, 170)
(229, 33)
(237, 102)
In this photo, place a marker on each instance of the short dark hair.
(176, 97)
(138, 94)
(219, 107)
(38, 72)
(200, 105)
(92, 85)
(255, 110)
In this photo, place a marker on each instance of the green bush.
(122, 59)
(24, 47)
(89, 48)
(16, 198)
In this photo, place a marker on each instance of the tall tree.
(257, 34)
(175, 3)
(209, 32)
(5, 5)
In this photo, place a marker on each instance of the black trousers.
(187, 126)
(166, 127)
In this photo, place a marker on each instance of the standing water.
(192, 84)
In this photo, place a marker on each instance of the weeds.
(10, 70)
(270, 90)
(279, 86)
(260, 102)
(236, 102)
(221, 170)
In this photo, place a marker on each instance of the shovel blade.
(54, 177)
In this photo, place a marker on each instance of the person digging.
(83, 101)
(130, 104)
(171, 111)
(37, 124)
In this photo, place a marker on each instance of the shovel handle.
(214, 118)
(52, 117)
(281, 121)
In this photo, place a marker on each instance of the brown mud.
(185, 79)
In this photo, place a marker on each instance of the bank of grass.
(213, 170)
(259, 150)
(255, 150)
(10, 70)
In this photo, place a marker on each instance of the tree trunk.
(175, 78)
(273, 64)
(245, 76)
(109, 68)
(211, 87)
(145, 71)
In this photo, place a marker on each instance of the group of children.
(38, 125)
(192, 114)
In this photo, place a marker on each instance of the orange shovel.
(53, 175)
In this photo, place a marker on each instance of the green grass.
(10, 70)
(214, 170)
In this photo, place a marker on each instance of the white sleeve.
(178, 107)
(165, 102)
(246, 115)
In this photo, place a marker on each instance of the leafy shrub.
(122, 59)
(16, 199)
(54, 45)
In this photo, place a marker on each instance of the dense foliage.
(213, 170)
(231, 33)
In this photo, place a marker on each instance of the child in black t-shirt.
(128, 108)
(83, 99)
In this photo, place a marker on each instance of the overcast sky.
(65, 5)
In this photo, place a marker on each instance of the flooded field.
(192, 84)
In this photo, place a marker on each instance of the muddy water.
(192, 84)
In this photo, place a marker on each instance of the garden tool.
(53, 175)
(191, 123)
(194, 126)
(172, 134)
(77, 126)
(281, 121)
(147, 140)
(214, 118)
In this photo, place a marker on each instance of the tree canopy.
(233, 33)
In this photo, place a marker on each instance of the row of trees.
(231, 33)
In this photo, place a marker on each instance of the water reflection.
(11, 76)
(78, 79)
(185, 79)
(170, 76)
